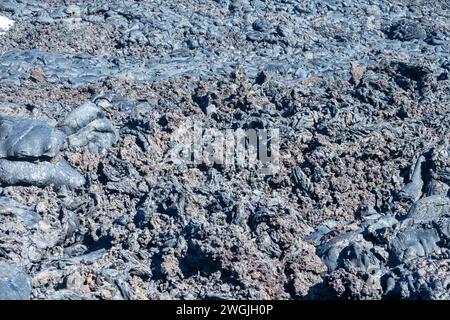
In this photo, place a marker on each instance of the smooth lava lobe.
(5, 24)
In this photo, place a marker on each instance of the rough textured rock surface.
(25, 138)
(14, 283)
(92, 94)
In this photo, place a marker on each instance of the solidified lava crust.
(352, 99)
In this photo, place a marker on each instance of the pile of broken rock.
(398, 255)
(30, 156)
(92, 92)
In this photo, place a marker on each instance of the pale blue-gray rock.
(87, 125)
(40, 174)
(14, 283)
(22, 138)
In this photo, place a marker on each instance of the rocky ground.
(93, 207)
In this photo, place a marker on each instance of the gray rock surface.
(28, 139)
(87, 125)
(14, 283)
(39, 174)
(97, 96)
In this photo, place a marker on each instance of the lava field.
(350, 99)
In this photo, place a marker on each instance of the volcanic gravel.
(92, 94)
